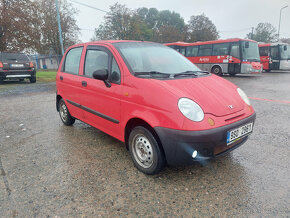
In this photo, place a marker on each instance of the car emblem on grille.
(231, 106)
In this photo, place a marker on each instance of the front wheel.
(64, 114)
(145, 151)
(217, 71)
(32, 79)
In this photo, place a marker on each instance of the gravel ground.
(48, 169)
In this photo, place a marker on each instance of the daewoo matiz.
(147, 95)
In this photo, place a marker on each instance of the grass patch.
(45, 76)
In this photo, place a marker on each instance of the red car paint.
(150, 100)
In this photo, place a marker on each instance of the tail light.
(31, 65)
(1, 64)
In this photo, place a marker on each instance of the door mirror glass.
(247, 45)
(101, 74)
(285, 48)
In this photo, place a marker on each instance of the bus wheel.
(217, 71)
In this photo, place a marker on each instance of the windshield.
(250, 51)
(153, 57)
(284, 52)
(13, 57)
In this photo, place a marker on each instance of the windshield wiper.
(190, 73)
(152, 73)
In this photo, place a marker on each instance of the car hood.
(215, 95)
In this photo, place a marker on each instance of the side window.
(205, 50)
(72, 60)
(235, 50)
(275, 52)
(115, 73)
(220, 49)
(95, 60)
(191, 51)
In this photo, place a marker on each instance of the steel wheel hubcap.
(142, 151)
(63, 111)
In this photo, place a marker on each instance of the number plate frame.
(237, 133)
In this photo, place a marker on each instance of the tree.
(264, 32)
(201, 28)
(141, 24)
(31, 26)
(286, 40)
(48, 40)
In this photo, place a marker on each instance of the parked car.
(147, 95)
(16, 66)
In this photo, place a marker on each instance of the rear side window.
(13, 57)
(205, 50)
(220, 49)
(72, 60)
(96, 60)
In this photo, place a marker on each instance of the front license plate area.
(236, 134)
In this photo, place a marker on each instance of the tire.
(145, 151)
(32, 78)
(217, 71)
(64, 114)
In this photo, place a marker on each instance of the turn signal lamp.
(210, 122)
(1, 64)
(31, 64)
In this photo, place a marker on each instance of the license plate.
(16, 65)
(237, 133)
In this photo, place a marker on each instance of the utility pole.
(59, 27)
(280, 20)
(252, 36)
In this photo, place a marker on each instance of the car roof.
(108, 42)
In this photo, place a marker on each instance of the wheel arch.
(133, 122)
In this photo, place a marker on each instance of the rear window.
(13, 57)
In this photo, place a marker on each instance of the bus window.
(275, 52)
(181, 50)
(205, 50)
(264, 51)
(235, 50)
(220, 49)
(191, 51)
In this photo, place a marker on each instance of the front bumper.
(19, 74)
(179, 145)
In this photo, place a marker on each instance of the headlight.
(190, 109)
(244, 96)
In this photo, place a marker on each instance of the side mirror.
(101, 74)
(247, 45)
(285, 48)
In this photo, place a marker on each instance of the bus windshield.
(285, 54)
(250, 51)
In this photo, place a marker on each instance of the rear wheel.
(64, 114)
(32, 78)
(145, 151)
(217, 71)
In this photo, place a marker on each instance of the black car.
(16, 66)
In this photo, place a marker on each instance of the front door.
(101, 102)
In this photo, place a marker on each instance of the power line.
(89, 6)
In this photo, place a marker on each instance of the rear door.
(101, 103)
(69, 82)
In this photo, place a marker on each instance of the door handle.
(84, 84)
(61, 78)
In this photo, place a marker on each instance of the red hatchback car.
(149, 96)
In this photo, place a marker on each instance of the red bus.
(275, 56)
(230, 56)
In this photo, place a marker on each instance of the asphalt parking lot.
(48, 169)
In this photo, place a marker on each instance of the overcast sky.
(233, 18)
